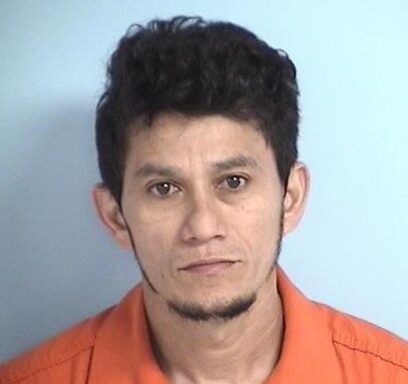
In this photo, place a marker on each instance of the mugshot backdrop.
(58, 266)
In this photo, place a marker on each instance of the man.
(196, 135)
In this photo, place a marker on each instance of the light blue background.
(57, 265)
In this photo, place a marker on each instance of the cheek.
(261, 214)
(259, 224)
(153, 236)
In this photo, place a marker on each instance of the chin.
(226, 309)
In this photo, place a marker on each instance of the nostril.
(202, 227)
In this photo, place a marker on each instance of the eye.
(163, 189)
(234, 182)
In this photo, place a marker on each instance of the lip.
(209, 266)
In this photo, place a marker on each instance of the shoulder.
(376, 352)
(50, 361)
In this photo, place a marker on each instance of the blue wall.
(57, 265)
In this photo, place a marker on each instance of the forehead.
(178, 140)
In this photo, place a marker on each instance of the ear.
(110, 215)
(294, 202)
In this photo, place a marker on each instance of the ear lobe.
(294, 202)
(110, 215)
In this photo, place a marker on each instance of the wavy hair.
(196, 68)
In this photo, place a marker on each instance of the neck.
(244, 349)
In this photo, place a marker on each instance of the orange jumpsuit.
(320, 345)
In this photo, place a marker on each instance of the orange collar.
(122, 352)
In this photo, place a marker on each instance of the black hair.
(193, 67)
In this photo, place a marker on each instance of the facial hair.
(229, 310)
(221, 311)
(143, 272)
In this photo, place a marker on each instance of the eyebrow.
(240, 161)
(150, 169)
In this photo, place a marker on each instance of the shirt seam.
(38, 370)
(373, 354)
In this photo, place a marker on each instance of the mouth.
(210, 267)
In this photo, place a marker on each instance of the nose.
(203, 221)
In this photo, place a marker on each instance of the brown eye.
(163, 189)
(234, 182)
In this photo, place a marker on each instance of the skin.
(205, 208)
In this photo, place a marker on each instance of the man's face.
(203, 202)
